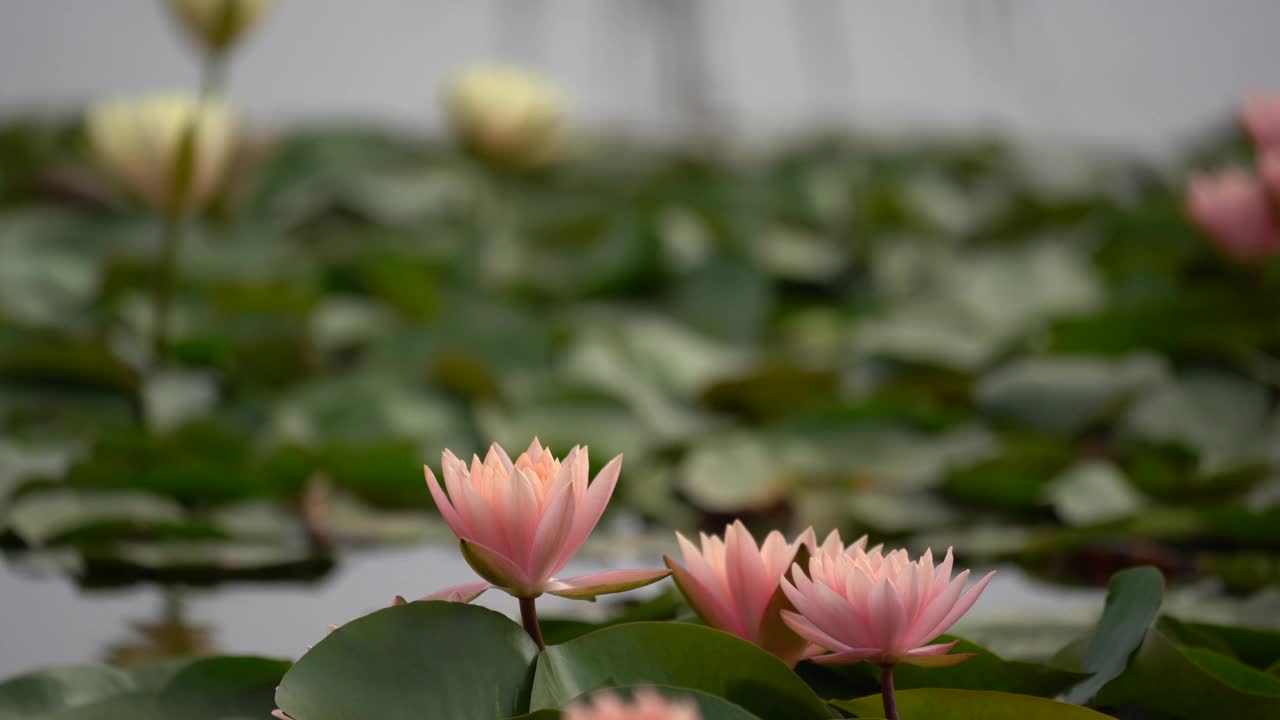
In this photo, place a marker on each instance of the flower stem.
(166, 269)
(886, 692)
(529, 618)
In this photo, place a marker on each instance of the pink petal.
(596, 498)
(939, 649)
(805, 628)
(750, 586)
(704, 602)
(464, 593)
(888, 616)
(962, 605)
(517, 506)
(848, 657)
(1234, 210)
(587, 587)
(455, 476)
(451, 517)
(1269, 171)
(840, 618)
(1261, 119)
(551, 541)
(279, 714)
(936, 608)
(701, 568)
(777, 553)
(498, 569)
(487, 527)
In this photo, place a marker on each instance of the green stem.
(887, 694)
(529, 618)
(166, 270)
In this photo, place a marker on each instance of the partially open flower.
(1233, 209)
(218, 24)
(865, 605)
(171, 150)
(520, 522)
(733, 585)
(507, 115)
(644, 705)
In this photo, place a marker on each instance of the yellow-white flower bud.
(218, 24)
(172, 150)
(508, 115)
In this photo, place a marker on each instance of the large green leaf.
(679, 655)
(985, 671)
(423, 659)
(1193, 683)
(968, 705)
(1259, 647)
(1133, 601)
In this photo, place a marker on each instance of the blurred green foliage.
(1024, 351)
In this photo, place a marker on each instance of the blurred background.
(932, 271)
(1138, 74)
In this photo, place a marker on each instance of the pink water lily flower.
(1233, 209)
(1269, 172)
(1260, 117)
(865, 605)
(733, 585)
(520, 522)
(644, 705)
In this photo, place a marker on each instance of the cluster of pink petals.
(644, 705)
(520, 522)
(733, 585)
(1235, 210)
(1240, 210)
(884, 608)
(1260, 117)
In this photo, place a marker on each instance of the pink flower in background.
(866, 605)
(1261, 119)
(645, 705)
(520, 522)
(1269, 172)
(732, 584)
(1232, 207)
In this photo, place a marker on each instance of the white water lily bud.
(172, 150)
(218, 24)
(508, 115)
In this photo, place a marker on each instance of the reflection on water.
(172, 635)
(46, 620)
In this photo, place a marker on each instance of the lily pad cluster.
(1024, 352)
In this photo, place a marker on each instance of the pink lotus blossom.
(1261, 119)
(520, 522)
(1269, 172)
(732, 584)
(645, 705)
(865, 605)
(1233, 209)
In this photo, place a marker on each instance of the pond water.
(47, 620)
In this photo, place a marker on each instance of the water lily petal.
(587, 587)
